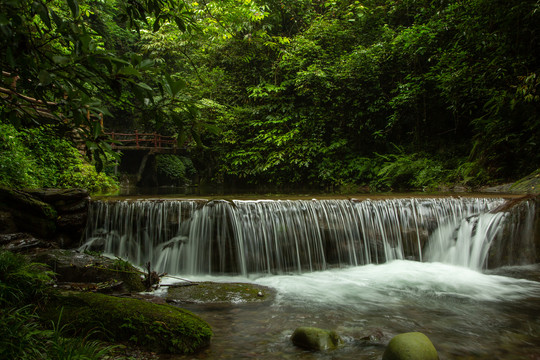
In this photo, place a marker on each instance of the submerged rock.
(410, 346)
(161, 328)
(219, 293)
(313, 338)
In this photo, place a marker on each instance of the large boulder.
(312, 338)
(410, 346)
(29, 214)
(51, 214)
(160, 328)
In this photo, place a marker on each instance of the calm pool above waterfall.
(461, 270)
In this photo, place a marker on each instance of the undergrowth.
(23, 336)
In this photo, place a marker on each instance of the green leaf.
(85, 42)
(129, 71)
(96, 127)
(146, 63)
(57, 20)
(144, 86)
(61, 60)
(180, 23)
(157, 24)
(43, 13)
(74, 7)
(3, 20)
(101, 110)
(214, 129)
(44, 77)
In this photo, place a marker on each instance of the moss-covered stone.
(73, 266)
(313, 338)
(410, 346)
(160, 328)
(212, 292)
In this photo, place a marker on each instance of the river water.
(364, 286)
(467, 314)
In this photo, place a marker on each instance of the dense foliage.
(39, 157)
(174, 170)
(379, 93)
(391, 94)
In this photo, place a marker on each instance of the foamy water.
(387, 283)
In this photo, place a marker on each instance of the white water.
(372, 285)
(284, 236)
(465, 313)
(344, 265)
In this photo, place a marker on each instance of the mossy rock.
(410, 346)
(312, 338)
(160, 328)
(29, 213)
(77, 267)
(222, 293)
(25, 202)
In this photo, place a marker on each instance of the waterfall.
(292, 236)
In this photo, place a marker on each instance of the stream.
(466, 314)
(457, 269)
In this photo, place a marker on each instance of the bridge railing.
(137, 140)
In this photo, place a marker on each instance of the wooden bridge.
(143, 141)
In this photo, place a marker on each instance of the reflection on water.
(465, 313)
(216, 190)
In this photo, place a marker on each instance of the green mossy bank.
(160, 328)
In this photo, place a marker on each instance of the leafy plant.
(21, 336)
(409, 171)
(21, 281)
(65, 348)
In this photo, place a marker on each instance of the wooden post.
(136, 139)
(155, 139)
(159, 141)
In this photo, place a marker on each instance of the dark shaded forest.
(375, 94)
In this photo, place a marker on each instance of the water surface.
(467, 314)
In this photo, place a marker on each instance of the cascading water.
(369, 269)
(283, 236)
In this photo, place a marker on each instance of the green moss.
(410, 346)
(210, 292)
(313, 338)
(529, 184)
(72, 266)
(161, 328)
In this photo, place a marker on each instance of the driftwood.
(151, 278)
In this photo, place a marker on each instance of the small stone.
(410, 346)
(260, 294)
(313, 338)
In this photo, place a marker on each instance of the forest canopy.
(410, 94)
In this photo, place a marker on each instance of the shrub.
(176, 170)
(409, 171)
